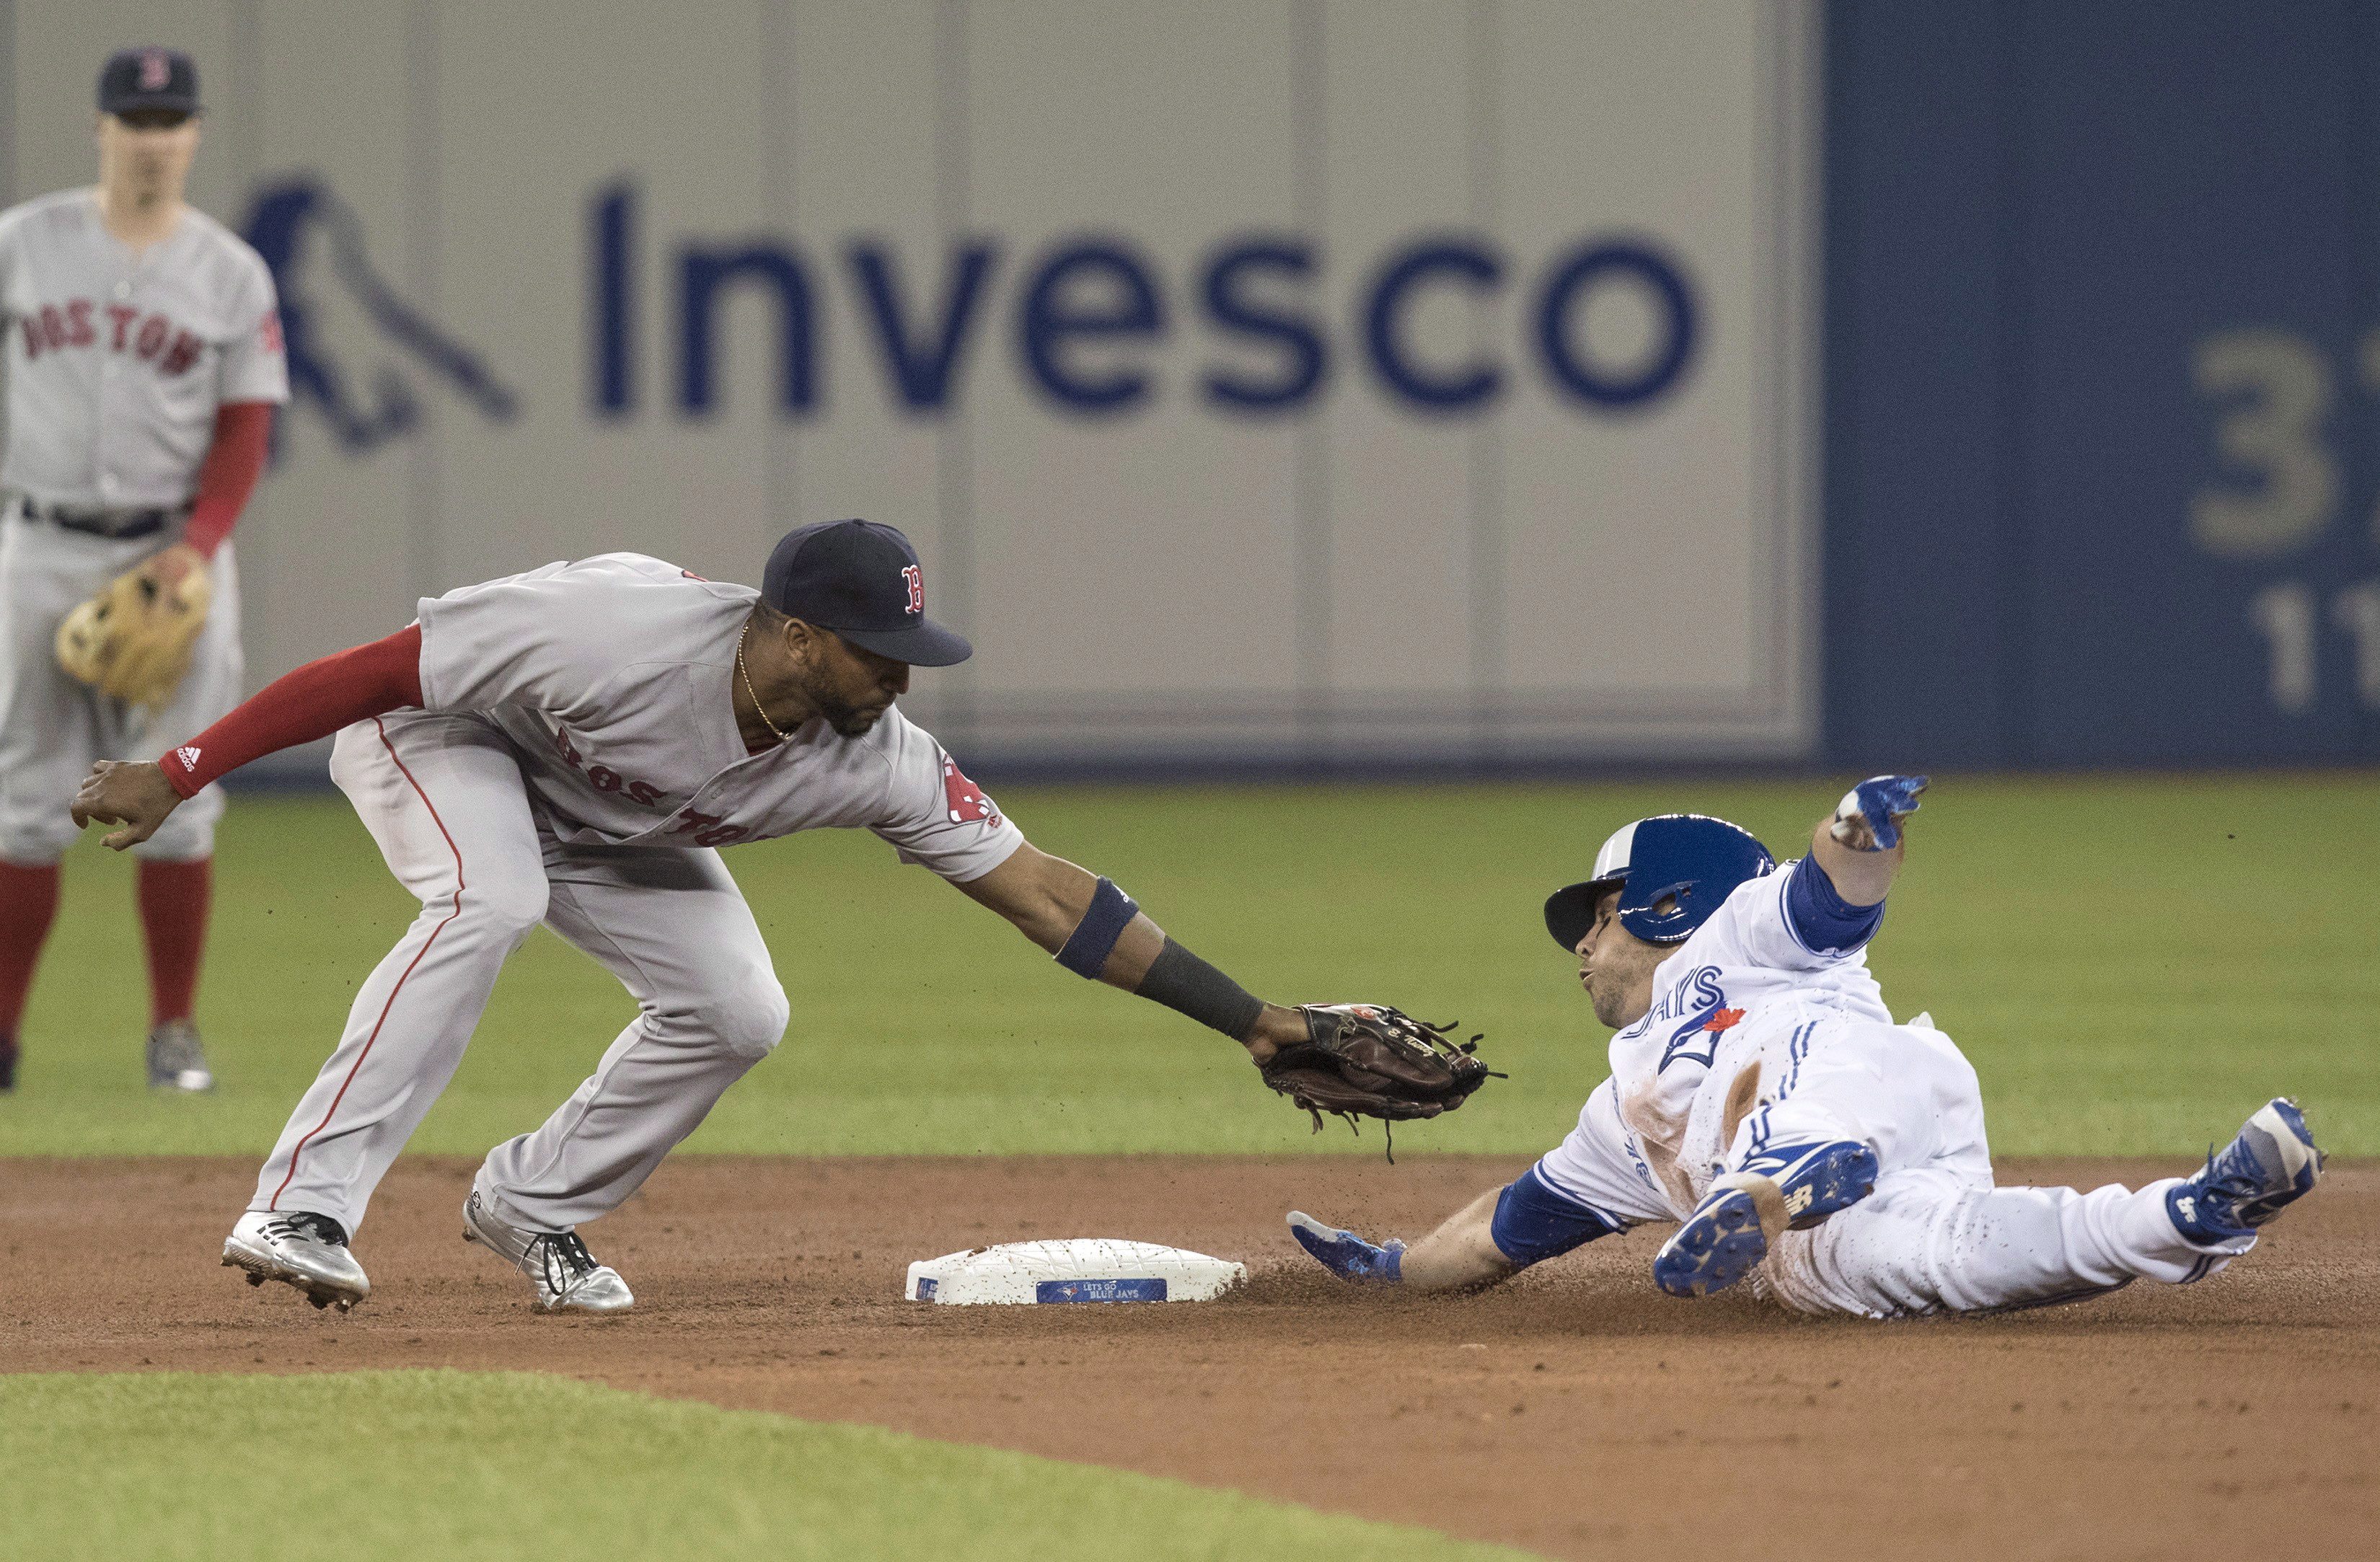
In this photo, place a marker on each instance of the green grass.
(2133, 963)
(408, 1465)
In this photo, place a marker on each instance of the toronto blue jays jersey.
(1735, 991)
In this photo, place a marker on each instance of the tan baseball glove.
(132, 641)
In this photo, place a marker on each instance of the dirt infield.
(1576, 1412)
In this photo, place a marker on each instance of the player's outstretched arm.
(1488, 1240)
(314, 701)
(1862, 846)
(1459, 1255)
(1095, 929)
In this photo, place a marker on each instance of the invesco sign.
(1075, 309)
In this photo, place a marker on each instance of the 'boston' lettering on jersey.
(81, 322)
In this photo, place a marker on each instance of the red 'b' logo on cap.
(156, 70)
(915, 579)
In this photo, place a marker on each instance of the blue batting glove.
(1868, 819)
(1346, 1254)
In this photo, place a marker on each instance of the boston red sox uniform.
(117, 361)
(1745, 992)
(577, 761)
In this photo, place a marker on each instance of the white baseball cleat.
(300, 1249)
(566, 1276)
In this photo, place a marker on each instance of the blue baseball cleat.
(2272, 1163)
(1346, 1254)
(1775, 1191)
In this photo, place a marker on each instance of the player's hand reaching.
(168, 565)
(1346, 1254)
(134, 795)
(1869, 818)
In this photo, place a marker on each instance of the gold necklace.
(783, 735)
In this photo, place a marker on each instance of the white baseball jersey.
(1741, 986)
(117, 360)
(1745, 1002)
(615, 678)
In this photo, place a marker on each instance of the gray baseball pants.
(443, 798)
(52, 729)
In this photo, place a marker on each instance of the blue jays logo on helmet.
(1672, 871)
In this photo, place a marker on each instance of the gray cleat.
(176, 1061)
(566, 1276)
(300, 1249)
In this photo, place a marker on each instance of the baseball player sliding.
(571, 747)
(1761, 1095)
(144, 360)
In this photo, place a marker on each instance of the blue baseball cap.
(1688, 863)
(149, 77)
(863, 581)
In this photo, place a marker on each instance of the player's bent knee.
(27, 846)
(750, 1016)
(1535, 1221)
(505, 909)
(16, 853)
(187, 848)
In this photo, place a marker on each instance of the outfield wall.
(1263, 380)
(2104, 383)
(1328, 382)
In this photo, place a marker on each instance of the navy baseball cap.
(863, 581)
(149, 77)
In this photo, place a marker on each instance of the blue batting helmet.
(1692, 862)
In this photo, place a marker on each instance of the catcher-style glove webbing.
(132, 641)
(1367, 1059)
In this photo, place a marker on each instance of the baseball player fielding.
(1762, 1096)
(572, 746)
(144, 361)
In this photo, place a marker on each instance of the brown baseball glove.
(1367, 1059)
(132, 641)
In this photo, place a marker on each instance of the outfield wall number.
(2287, 615)
(2276, 391)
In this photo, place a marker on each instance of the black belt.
(117, 525)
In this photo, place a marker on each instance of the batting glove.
(1868, 818)
(1346, 1254)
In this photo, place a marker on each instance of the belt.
(116, 524)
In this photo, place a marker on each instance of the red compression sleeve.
(243, 432)
(314, 701)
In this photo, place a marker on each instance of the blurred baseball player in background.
(1761, 1095)
(570, 745)
(144, 361)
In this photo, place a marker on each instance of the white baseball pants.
(442, 796)
(1937, 1235)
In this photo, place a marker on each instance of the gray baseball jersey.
(116, 364)
(576, 759)
(117, 360)
(615, 678)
